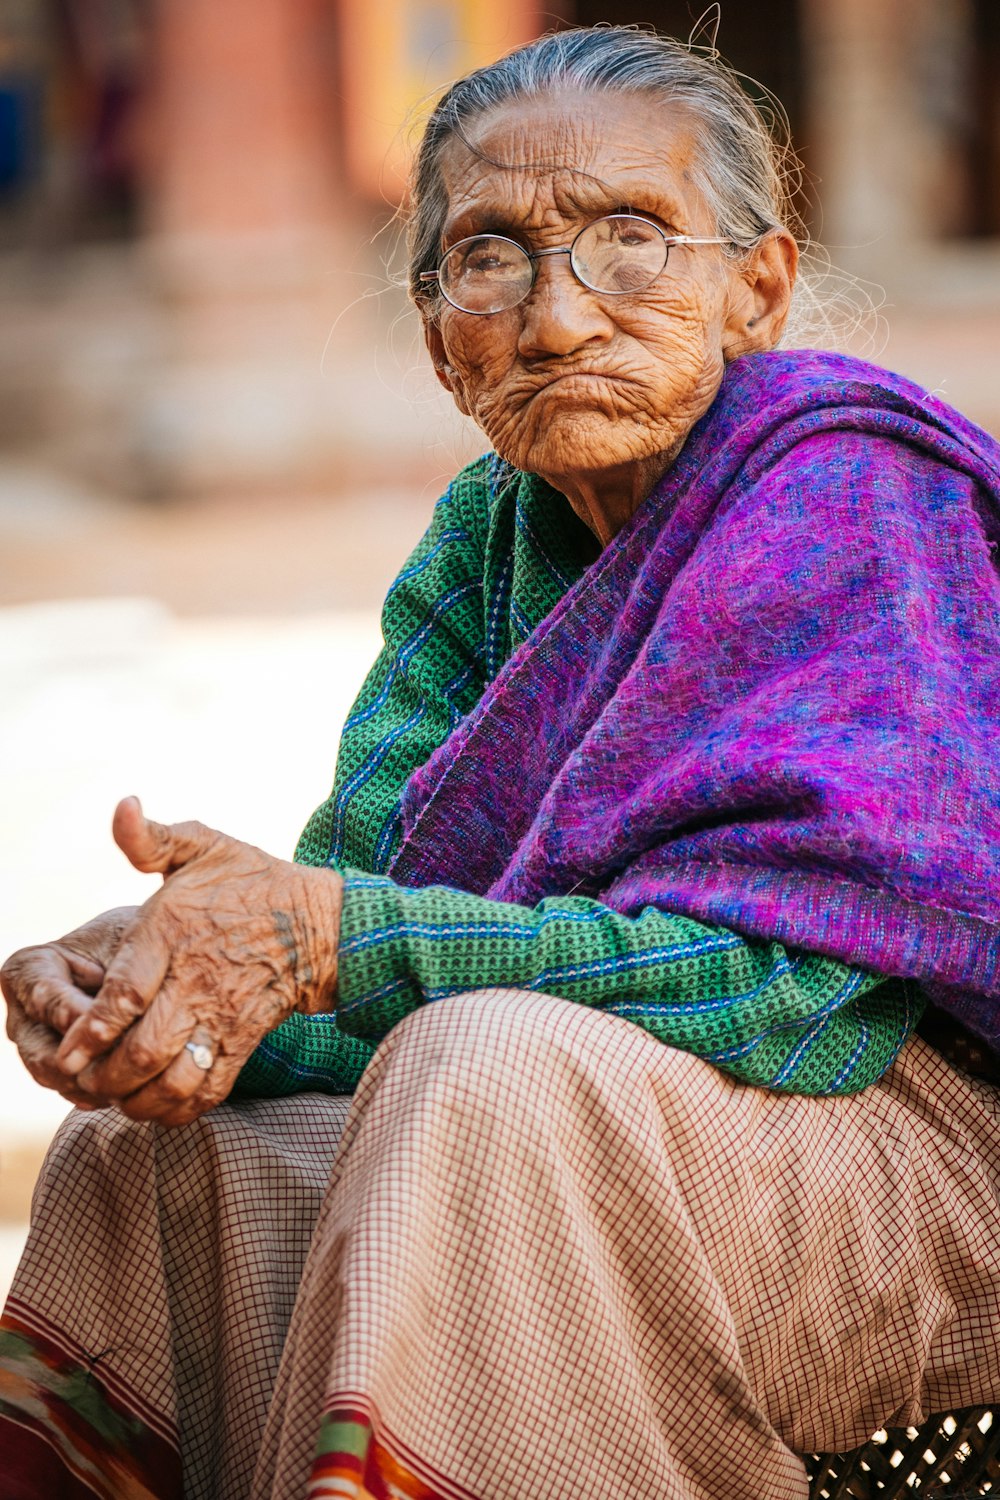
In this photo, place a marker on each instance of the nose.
(559, 314)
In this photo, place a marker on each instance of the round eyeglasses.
(615, 255)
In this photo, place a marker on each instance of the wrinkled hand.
(232, 944)
(48, 987)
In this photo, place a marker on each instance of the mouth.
(574, 383)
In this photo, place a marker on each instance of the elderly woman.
(676, 790)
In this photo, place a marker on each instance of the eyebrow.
(494, 216)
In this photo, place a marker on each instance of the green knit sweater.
(501, 550)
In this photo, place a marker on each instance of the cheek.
(681, 331)
(680, 342)
(483, 356)
(478, 348)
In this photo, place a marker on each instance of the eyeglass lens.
(618, 254)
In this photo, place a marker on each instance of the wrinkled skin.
(231, 945)
(595, 393)
(47, 988)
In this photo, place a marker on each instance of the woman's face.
(571, 382)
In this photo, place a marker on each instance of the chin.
(574, 444)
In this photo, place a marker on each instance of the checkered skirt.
(554, 1257)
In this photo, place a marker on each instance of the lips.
(583, 380)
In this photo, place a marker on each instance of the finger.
(145, 1051)
(37, 1047)
(183, 1078)
(217, 1087)
(187, 1110)
(132, 981)
(39, 982)
(158, 847)
(57, 1004)
(87, 973)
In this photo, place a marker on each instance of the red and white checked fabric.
(172, 1258)
(555, 1258)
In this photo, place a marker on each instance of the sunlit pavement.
(231, 720)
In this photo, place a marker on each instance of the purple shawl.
(773, 702)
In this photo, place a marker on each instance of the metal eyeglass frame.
(669, 241)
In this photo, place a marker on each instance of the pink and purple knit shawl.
(773, 702)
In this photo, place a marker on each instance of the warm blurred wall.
(394, 55)
(248, 135)
(188, 195)
(898, 121)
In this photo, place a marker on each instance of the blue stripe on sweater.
(410, 648)
(627, 963)
(365, 772)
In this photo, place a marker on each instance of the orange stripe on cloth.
(357, 1459)
(65, 1430)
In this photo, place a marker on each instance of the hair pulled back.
(742, 170)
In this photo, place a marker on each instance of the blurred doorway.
(763, 41)
(984, 132)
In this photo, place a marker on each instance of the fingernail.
(75, 1062)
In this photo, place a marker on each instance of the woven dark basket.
(956, 1455)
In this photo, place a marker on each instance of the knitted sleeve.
(797, 1022)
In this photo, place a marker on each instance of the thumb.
(158, 847)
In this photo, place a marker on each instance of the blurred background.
(218, 439)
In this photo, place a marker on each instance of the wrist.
(316, 977)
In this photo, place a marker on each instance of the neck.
(606, 499)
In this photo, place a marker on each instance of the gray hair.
(746, 170)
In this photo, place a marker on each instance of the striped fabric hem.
(357, 1459)
(67, 1430)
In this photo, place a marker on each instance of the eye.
(483, 260)
(489, 255)
(630, 231)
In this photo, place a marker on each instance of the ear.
(761, 296)
(439, 359)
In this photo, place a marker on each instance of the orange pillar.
(279, 370)
(243, 116)
(246, 223)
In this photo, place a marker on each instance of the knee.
(534, 1057)
(496, 1030)
(103, 1156)
(501, 1050)
(81, 1166)
(89, 1137)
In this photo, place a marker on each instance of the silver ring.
(203, 1057)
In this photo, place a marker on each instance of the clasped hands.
(232, 943)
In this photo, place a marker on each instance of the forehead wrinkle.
(520, 198)
(529, 139)
(574, 125)
(582, 130)
(534, 172)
